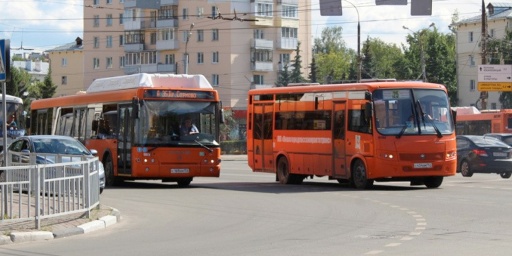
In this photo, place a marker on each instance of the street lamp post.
(186, 48)
(422, 54)
(358, 43)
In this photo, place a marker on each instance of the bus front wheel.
(359, 179)
(433, 182)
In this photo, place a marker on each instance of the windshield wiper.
(439, 134)
(401, 132)
(202, 145)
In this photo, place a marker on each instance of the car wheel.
(465, 170)
(359, 179)
(506, 175)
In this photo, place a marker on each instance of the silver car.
(47, 146)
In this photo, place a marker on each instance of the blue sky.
(45, 24)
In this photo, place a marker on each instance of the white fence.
(39, 191)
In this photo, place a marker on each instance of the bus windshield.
(178, 123)
(412, 112)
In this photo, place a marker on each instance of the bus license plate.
(180, 170)
(422, 165)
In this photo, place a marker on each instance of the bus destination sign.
(177, 94)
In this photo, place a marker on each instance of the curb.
(30, 236)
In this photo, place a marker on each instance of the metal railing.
(40, 191)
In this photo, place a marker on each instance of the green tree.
(334, 61)
(48, 88)
(380, 58)
(283, 78)
(296, 74)
(20, 80)
(312, 71)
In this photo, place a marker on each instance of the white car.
(48, 146)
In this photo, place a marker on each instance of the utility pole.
(484, 95)
(189, 33)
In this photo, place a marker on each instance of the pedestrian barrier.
(39, 191)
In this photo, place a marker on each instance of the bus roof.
(148, 80)
(352, 86)
(10, 98)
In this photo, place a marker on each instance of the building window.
(185, 14)
(96, 63)
(109, 1)
(109, 41)
(96, 2)
(258, 34)
(96, 42)
(262, 55)
(290, 11)
(166, 34)
(215, 57)
(493, 105)
(152, 40)
(96, 21)
(121, 17)
(121, 61)
(471, 60)
(214, 11)
(215, 35)
(186, 35)
(200, 35)
(121, 40)
(109, 20)
(215, 80)
(109, 62)
(264, 9)
(200, 12)
(284, 59)
(472, 85)
(167, 12)
(170, 59)
(470, 36)
(64, 80)
(134, 15)
(200, 58)
(258, 79)
(289, 32)
(64, 62)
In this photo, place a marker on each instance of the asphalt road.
(245, 213)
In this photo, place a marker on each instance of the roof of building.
(74, 46)
(501, 11)
(33, 67)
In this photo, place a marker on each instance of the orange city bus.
(472, 121)
(356, 133)
(134, 123)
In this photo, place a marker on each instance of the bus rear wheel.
(283, 173)
(358, 178)
(109, 172)
(433, 182)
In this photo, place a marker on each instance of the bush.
(234, 147)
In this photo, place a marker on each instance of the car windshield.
(59, 146)
(412, 112)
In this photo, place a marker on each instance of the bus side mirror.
(368, 110)
(222, 117)
(135, 108)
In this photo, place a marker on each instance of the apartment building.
(236, 45)
(67, 65)
(469, 52)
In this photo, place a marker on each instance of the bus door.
(262, 138)
(124, 139)
(338, 140)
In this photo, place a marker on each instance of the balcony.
(167, 45)
(263, 66)
(140, 24)
(142, 4)
(168, 2)
(150, 68)
(167, 23)
(287, 43)
(133, 47)
(263, 44)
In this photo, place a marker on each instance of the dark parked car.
(483, 154)
(48, 147)
(505, 137)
